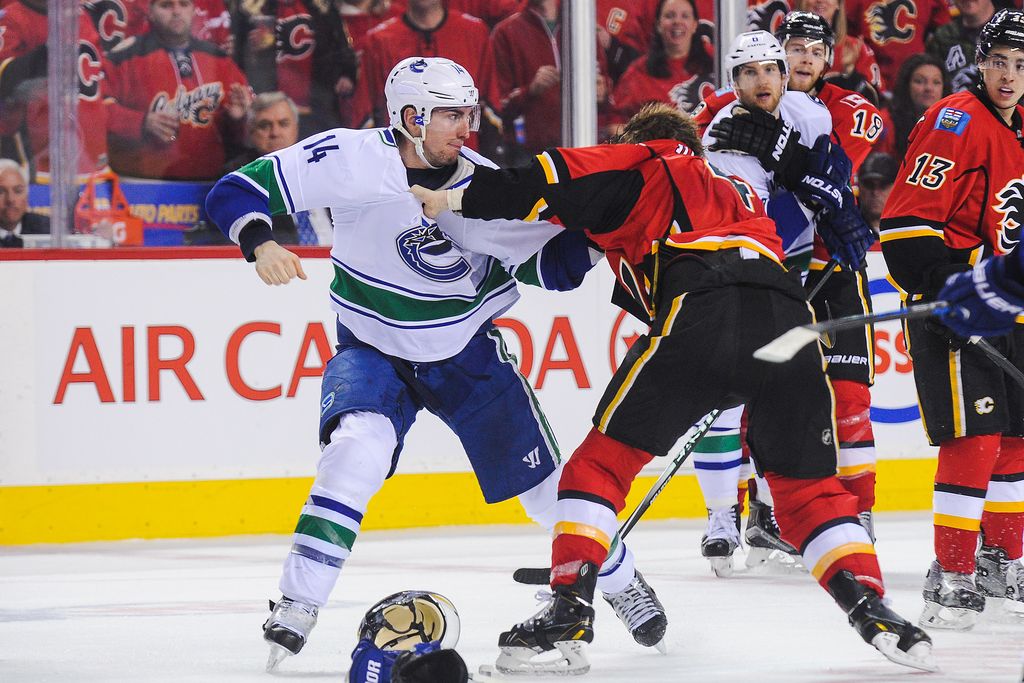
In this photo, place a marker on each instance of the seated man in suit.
(15, 220)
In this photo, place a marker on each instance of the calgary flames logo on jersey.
(1011, 208)
(428, 251)
(891, 21)
(194, 107)
(295, 37)
(111, 20)
(691, 92)
(766, 15)
(90, 70)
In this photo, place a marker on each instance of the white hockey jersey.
(400, 283)
(807, 115)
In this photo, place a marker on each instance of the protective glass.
(451, 119)
(1002, 65)
(815, 49)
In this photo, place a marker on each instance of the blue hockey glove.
(370, 663)
(983, 301)
(845, 233)
(829, 160)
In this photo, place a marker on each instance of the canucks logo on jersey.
(427, 250)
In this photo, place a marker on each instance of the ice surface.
(191, 610)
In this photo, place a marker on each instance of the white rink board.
(572, 339)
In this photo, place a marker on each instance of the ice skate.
(287, 629)
(767, 549)
(889, 633)
(564, 625)
(951, 600)
(1001, 582)
(721, 539)
(638, 607)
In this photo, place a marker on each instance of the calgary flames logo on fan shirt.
(891, 21)
(295, 37)
(1011, 207)
(194, 107)
(766, 15)
(691, 92)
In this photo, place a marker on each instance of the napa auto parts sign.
(164, 366)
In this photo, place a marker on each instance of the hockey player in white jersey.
(800, 194)
(415, 329)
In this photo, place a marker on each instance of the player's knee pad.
(605, 467)
(539, 502)
(356, 461)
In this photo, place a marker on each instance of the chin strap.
(417, 144)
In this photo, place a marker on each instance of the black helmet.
(807, 25)
(1006, 27)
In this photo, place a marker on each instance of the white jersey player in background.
(798, 196)
(415, 329)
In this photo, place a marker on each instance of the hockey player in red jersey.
(701, 261)
(174, 102)
(23, 94)
(959, 196)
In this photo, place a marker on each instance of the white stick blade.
(787, 345)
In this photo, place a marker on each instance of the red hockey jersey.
(22, 30)
(959, 195)
(118, 20)
(681, 89)
(630, 200)
(194, 83)
(895, 29)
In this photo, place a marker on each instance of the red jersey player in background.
(175, 103)
(959, 196)
(23, 96)
(702, 262)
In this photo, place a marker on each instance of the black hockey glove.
(439, 666)
(755, 132)
(845, 233)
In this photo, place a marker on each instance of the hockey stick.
(538, 576)
(789, 343)
(999, 359)
(830, 268)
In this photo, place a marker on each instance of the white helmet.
(754, 46)
(427, 83)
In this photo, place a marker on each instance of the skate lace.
(634, 604)
(544, 598)
(722, 524)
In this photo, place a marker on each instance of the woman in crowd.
(677, 69)
(920, 83)
(853, 62)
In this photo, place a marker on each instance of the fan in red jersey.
(23, 96)
(959, 196)
(175, 103)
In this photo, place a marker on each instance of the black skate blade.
(532, 576)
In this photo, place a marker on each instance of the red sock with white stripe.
(1003, 520)
(961, 480)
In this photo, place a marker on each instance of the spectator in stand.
(953, 43)
(361, 16)
(677, 69)
(854, 61)
(767, 15)
(15, 220)
(426, 29)
(175, 103)
(23, 96)
(489, 11)
(528, 74)
(624, 30)
(272, 124)
(895, 29)
(921, 82)
(118, 20)
(300, 48)
(874, 180)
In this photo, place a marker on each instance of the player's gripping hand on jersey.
(276, 265)
(984, 301)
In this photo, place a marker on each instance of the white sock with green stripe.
(717, 459)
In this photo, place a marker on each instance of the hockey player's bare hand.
(276, 265)
(436, 202)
